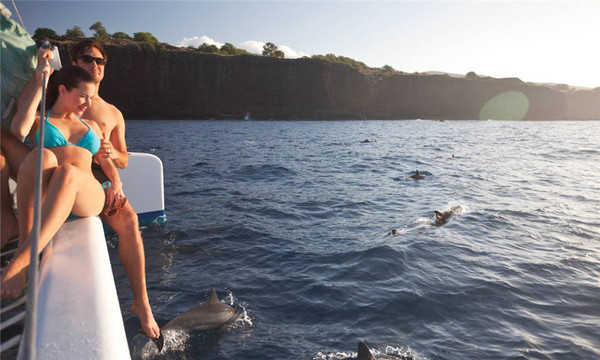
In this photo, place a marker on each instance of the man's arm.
(114, 194)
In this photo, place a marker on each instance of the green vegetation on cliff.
(100, 32)
(151, 42)
(45, 33)
(74, 33)
(119, 35)
(272, 50)
(227, 49)
(145, 37)
(358, 65)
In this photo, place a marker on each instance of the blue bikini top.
(54, 138)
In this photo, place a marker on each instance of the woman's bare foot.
(144, 313)
(12, 287)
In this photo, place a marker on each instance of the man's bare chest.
(105, 121)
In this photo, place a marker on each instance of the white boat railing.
(12, 311)
(77, 295)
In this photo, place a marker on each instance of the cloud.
(199, 40)
(291, 54)
(256, 47)
(253, 47)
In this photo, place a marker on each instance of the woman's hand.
(107, 150)
(44, 54)
(43, 66)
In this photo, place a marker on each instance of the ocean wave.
(265, 172)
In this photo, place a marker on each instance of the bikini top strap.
(84, 123)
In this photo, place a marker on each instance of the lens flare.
(509, 105)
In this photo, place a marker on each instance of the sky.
(536, 41)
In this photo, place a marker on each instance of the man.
(91, 56)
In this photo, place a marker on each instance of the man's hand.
(107, 150)
(115, 200)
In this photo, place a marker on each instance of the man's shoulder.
(116, 112)
(101, 108)
(109, 107)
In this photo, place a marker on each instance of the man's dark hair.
(81, 46)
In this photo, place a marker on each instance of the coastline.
(170, 83)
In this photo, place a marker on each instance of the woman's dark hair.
(70, 77)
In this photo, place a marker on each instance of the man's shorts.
(98, 173)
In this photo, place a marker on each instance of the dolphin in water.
(365, 354)
(417, 176)
(208, 316)
(442, 217)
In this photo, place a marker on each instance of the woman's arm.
(30, 98)
(42, 56)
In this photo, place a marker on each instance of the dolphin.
(208, 316)
(365, 354)
(442, 217)
(417, 176)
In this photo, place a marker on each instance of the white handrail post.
(29, 335)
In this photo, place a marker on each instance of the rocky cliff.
(185, 84)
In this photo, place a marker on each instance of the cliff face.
(185, 84)
(583, 104)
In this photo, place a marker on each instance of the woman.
(68, 186)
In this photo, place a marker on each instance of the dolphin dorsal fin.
(363, 352)
(213, 296)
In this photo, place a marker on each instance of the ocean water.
(290, 222)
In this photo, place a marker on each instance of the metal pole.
(29, 335)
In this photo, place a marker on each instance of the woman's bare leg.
(10, 229)
(14, 150)
(26, 187)
(13, 154)
(69, 189)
